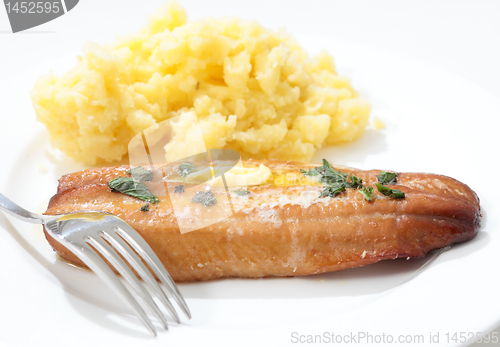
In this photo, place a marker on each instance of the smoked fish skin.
(287, 239)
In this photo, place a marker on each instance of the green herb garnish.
(131, 186)
(326, 165)
(330, 175)
(179, 189)
(393, 193)
(356, 182)
(140, 174)
(145, 208)
(206, 198)
(333, 189)
(397, 194)
(187, 168)
(386, 177)
(337, 182)
(334, 180)
(367, 192)
(311, 172)
(383, 189)
(241, 192)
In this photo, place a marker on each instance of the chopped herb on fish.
(337, 182)
(333, 189)
(145, 208)
(311, 172)
(131, 186)
(241, 192)
(179, 189)
(386, 177)
(393, 193)
(206, 198)
(187, 168)
(140, 173)
(356, 182)
(330, 175)
(397, 194)
(367, 192)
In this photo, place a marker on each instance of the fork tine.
(101, 269)
(110, 254)
(143, 249)
(124, 249)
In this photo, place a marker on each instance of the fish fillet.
(285, 229)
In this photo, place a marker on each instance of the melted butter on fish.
(271, 197)
(302, 190)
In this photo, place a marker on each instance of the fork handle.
(17, 211)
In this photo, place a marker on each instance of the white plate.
(435, 122)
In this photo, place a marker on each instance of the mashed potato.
(252, 89)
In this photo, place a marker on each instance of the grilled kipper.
(283, 227)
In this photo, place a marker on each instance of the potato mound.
(253, 90)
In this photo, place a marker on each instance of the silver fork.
(90, 235)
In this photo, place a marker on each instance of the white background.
(458, 36)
